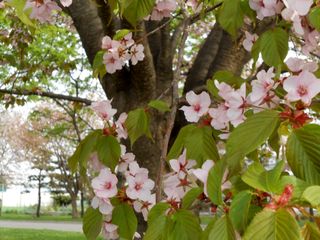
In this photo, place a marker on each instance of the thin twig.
(172, 116)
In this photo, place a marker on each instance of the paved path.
(60, 226)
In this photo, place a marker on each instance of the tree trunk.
(39, 196)
(74, 213)
(82, 201)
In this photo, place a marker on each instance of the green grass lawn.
(14, 216)
(30, 234)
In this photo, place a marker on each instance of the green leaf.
(239, 210)
(209, 227)
(157, 210)
(120, 34)
(186, 226)
(84, 150)
(275, 225)
(312, 195)
(257, 177)
(136, 10)
(223, 229)
(190, 197)
(231, 16)
(159, 105)
(310, 231)
(22, 14)
(201, 146)
(92, 223)
(314, 18)
(108, 149)
(249, 135)
(215, 181)
(158, 222)
(303, 151)
(179, 143)
(137, 124)
(123, 216)
(99, 68)
(274, 46)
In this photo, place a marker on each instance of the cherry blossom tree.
(181, 130)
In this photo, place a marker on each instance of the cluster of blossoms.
(119, 53)
(301, 87)
(42, 9)
(293, 11)
(137, 187)
(184, 177)
(164, 8)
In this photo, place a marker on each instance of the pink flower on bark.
(112, 61)
(121, 129)
(105, 184)
(249, 41)
(104, 109)
(137, 53)
(304, 87)
(199, 106)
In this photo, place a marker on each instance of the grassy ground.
(13, 216)
(30, 234)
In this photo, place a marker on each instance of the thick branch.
(198, 73)
(47, 94)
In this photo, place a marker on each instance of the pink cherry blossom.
(292, 16)
(112, 61)
(303, 87)
(249, 41)
(135, 169)
(2, 5)
(175, 188)
(302, 7)
(219, 117)
(121, 129)
(104, 205)
(266, 8)
(136, 53)
(139, 187)
(203, 172)
(110, 231)
(237, 104)
(109, 44)
(127, 40)
(296, 65)
(199, 105)
(66, 3)
(125, 160)
(181, 165)
(104, 109)
(224, 90)
(42, 11)
(262, 86)
(163, 9)
(145, 206)
(105, 184)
